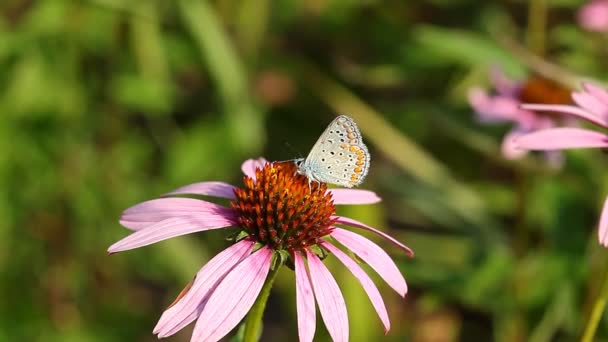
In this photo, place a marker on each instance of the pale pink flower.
(504, 106)
(594, 16)
(277, 210)
(591, 105)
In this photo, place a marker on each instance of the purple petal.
(189, 307)
(250, 165)
(366, 282)
(562, 138)
(502, 83)
(590, 103)
(329, 298)
(599, 93)
(374, 256)
(217, 189)
(594, 16)
(172, 227)
(573, 110)
(305, 301)
(354, 223)
(233, 297)
(493, 109)
(603, 229)
(134, 225)
(510, 150)
(149, 212)
(354, 196)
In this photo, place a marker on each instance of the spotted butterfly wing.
(339, 156)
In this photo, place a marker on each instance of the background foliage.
(106, 103)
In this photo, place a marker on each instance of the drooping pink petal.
(603, 228)
(135, 225)
(573, 110)
(329, 298)
(374, 256)
(510, 150)
(305, 300)
(216, 189)
(590, 103)
(562, 138)
(153, 211)
(366, 282)
(354, 196)
(250, 165)
(172, 227)
(354, 223)
(233, 297)
(188, 308)
(598, 92)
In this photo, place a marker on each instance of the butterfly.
(338, 157)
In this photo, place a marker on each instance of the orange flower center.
(282, 210)
(538, 89)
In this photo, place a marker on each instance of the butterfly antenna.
(293, 151)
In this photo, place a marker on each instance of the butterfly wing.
(339, 156)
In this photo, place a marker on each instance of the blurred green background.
(107, 103)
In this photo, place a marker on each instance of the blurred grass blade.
(228, 73)
(252, 21)
(147, 42)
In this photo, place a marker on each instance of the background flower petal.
(216, 189)
(354, 196)
(368, 285)
(598, 92)
(590, 103)
(594, 16)
(171, 227)
(493, 109)
(233, 297)
(503, 84)
(188, 308)
(374, 256)
(329, 298)
(305, 300)
(562, 138)
(355, 223)
(509, 149)
(573, 110)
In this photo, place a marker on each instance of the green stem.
(597, 311)
(253, 323)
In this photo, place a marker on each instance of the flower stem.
(597, 311)
(253, 323)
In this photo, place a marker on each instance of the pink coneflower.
(505, 106)
(281, 215)
(591, 105)
(594, 16)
